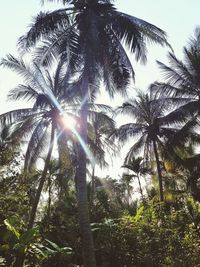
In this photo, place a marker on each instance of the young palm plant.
(91, 33)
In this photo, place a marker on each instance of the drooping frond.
(128, 108)
(22, 92)
(15, 116)
(136, 149)
(185, 134)
(135, 32)
(35, 144)
(25, 126)
(181, 114)
(126, 131)
(43, 25)
(30, 74)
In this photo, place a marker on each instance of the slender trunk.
(65, 164)
(140, 187)
(93, 172)
(49, 200)
(92, 185)
(20, 257)
(158, 171)
(128, 194)
(42, 180)
(80, 176)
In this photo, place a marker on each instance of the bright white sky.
(177, 17)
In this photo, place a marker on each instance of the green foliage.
(153, 237)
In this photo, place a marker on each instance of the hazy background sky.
(177, 17)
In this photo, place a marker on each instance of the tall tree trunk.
(80, 176)
(66, 172)
(49, 200)
(140, 187)
(20, 257)
(42, 180)
(158, 171)
(92, 185)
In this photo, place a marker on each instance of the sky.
(177, 18)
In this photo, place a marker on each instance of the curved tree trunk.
(81, 185)
(158, 171)
(42, 180)
(140, 187)
(19, 262)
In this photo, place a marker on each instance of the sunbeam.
(68, 122)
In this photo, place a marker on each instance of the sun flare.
(68, 121)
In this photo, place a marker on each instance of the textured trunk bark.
(80, 176)
(158, 171)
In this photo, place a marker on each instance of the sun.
(68, 121)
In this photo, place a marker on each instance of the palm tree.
(137, 167)
(102, 126)
(148, 126)
(91, 33)
(41, 122)
(182, 80)
(157, 131)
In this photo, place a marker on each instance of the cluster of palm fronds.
(76, 50)
(167, 117)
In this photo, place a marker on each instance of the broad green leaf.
(12, 229)
(139, 213)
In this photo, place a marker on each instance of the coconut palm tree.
(148, 126)
(137, 167)
(40, 123)
(91, 33)
(182, 80)
(156, 130)
(102, 126)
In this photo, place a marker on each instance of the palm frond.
(181, 114)
(15, 116)
(135, 32)
(22, 92)
(43, 25)
(129, 130)
(35, 143)
(136, 149)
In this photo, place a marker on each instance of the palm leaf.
(44, 24)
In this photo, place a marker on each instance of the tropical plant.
(100, 143)
(91, 33)
(136, 165)
(149, 126)
(181, 80)
(41, 122)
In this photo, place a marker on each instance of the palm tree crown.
(91, 33)
(182, 79)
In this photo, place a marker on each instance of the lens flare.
(69, 122)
